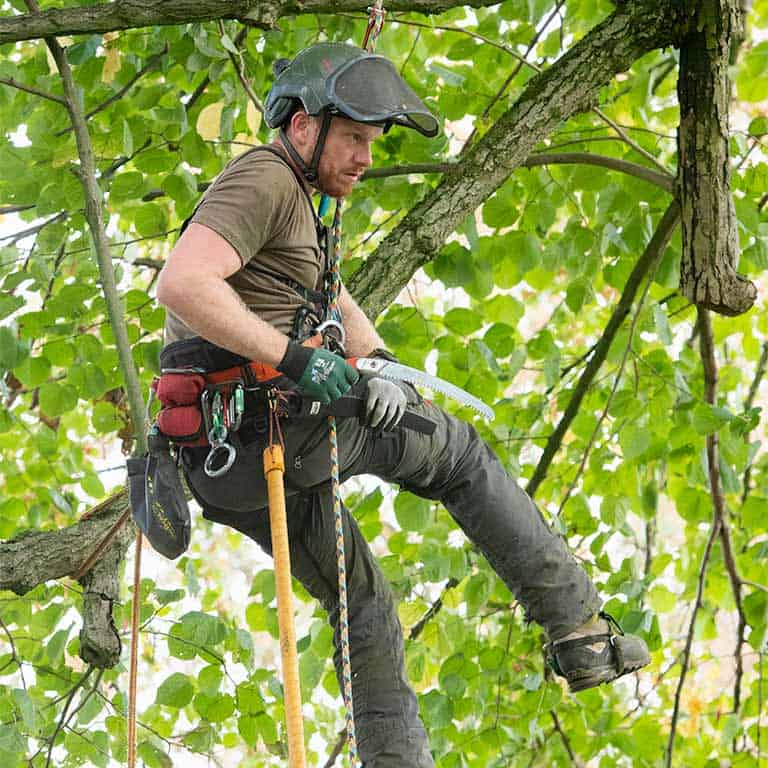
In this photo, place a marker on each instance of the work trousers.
(453, 466)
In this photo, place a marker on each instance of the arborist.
(253, 282)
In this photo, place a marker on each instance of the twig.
(629, 140)
(16, 236)
(754, 585)
(517, 69)
(564, 738)
(34, 91)
(617, 379)
(60, 724)
(239, 67)
(14, 654)
(754, 386)
(433, 610)
(337, 748)
(689, 639)
(657, 245)
(152, 62)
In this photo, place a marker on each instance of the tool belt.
(208, 394)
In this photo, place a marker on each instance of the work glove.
(319, 374)
(384, 404)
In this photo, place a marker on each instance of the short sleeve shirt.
(257, 205)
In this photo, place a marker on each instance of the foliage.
(510, 309)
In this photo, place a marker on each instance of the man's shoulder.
(262, 160)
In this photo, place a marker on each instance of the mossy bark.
(710, 254)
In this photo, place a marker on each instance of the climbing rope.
(372, 32)
(334, 313)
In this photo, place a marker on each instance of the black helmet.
(346, 81)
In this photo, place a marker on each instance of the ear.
(300, 127)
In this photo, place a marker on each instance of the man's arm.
(362, 338)
(193, 285)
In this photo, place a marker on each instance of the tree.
(538, 241)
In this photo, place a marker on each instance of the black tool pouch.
(157, 499)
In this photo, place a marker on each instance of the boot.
(597, 652)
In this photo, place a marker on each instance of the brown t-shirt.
(257, 205)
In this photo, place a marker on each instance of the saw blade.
(399, 372)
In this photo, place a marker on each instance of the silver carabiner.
(226, 466)
(338, 335)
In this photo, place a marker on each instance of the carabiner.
(333, 334)
(226, 466)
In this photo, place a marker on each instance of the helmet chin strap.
(310, 172)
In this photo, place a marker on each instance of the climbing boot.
(597, 652)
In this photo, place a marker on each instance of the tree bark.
(130, 14)
(570, 86)
(35, 557)
(710, 254)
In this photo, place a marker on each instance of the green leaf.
(411, 511)
(126, 186)
(175, 691)
(150, 220)
(12, 351)
(708, 418)
(634, 441)
(462, 321)
(214, 708)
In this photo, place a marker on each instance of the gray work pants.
(453, 466)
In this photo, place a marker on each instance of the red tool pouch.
(181, 419)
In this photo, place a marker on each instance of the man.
(247, 275)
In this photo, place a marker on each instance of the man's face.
(347, 153)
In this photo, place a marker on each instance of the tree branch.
(151, 64)
(568, 87)
(94, 216)
(689, 640)
(662, 180)
(652, 252)
(710, 252)
(632, 326)
(754, 386)
(133, 14)
(34, 91)
(16, 236)
(239, 68)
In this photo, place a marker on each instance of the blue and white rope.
(334, 313)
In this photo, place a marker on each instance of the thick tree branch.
(652, 252)
(570, 86)
(710, 253)
(132, 14)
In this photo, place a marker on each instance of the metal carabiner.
(337, 336)
(226, 466)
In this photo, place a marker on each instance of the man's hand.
(384, 405)
(318, 373)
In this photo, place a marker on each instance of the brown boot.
(597, 652)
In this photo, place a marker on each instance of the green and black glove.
(318, 373)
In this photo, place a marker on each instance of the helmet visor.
(370, 90)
